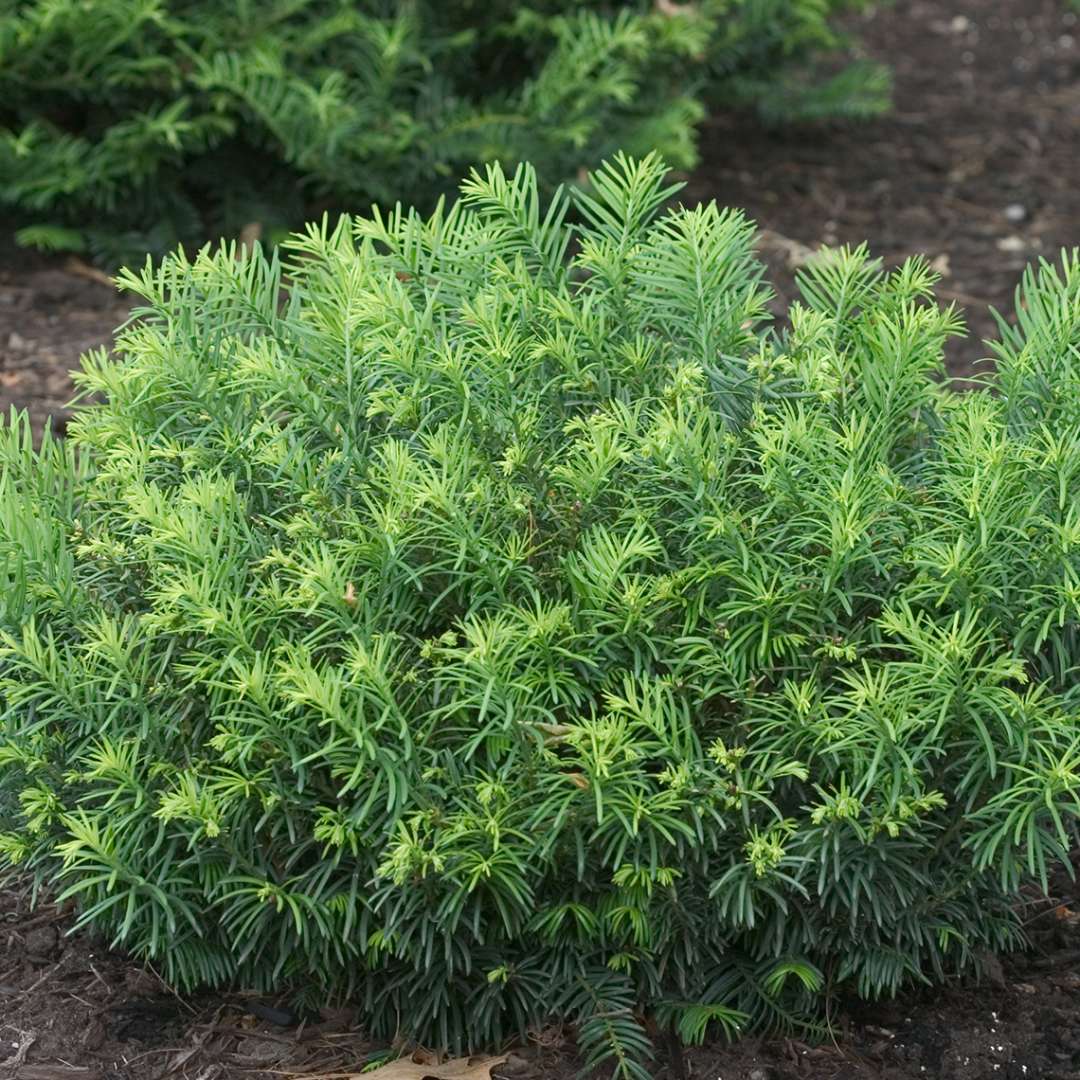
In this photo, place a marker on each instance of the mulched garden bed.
(71, 1009)
(51, 312)
(977, 167)
(978, 170)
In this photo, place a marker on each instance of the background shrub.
(491, 636)
(130, 125)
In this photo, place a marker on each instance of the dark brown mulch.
(977, 167)
(51, 312)
(71, 1009)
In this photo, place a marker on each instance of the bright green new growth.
(486, 618)
(131, 125)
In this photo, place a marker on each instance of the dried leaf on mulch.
(471, 1068)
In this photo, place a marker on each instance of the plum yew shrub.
(488, 618)
(128, 126)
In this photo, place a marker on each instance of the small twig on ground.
(151, 1053)
(249, 1033)
(45, 977)
(81, 1000)
(51, 916)
(77, 267)
(170, 989)
(97, 975)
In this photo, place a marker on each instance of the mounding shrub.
(131, 125)
(488, 619)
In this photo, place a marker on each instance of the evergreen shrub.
(131, 125)
(488, 619)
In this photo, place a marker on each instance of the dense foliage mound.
(130, 125)
(487, 619)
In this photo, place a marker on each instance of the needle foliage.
(130, 125)
(488, 619)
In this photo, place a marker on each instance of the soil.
(977, 169)
(72, 1009)
(51, 312)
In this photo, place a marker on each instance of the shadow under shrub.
(132, 125)
(492, 636)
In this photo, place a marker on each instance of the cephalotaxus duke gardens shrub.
(488, 619)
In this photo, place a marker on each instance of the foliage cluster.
(131, 125)
(488, 618)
